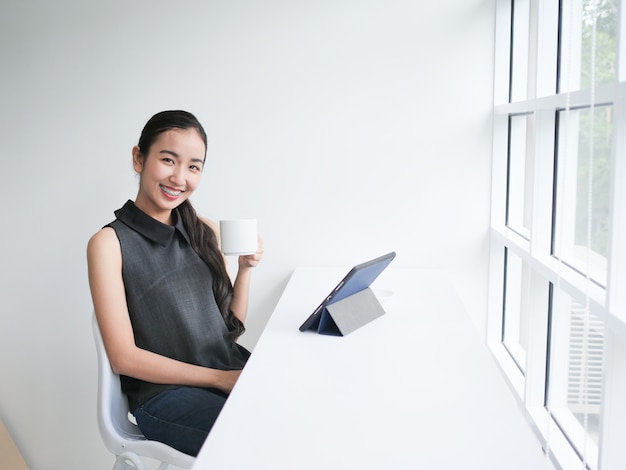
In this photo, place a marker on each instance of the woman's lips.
(171, 192)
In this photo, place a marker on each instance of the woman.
(168, 313)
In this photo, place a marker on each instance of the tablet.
(359, 278)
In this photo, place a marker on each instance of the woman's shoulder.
(104, 239)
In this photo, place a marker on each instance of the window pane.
(516, 296)
(519, 50)
(588, 43)
(576, 364)
(520, 171)
(583, 190)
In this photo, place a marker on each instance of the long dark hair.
(203, 238)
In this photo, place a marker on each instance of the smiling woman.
(168, 312)
(170, 169)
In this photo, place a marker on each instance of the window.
(575, 372)
(520, 19)
(557, 316)
(516, 308)
(588, 43)
(519, 177)
(583, 188)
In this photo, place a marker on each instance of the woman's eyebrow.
(170, 152)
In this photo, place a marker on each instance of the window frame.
(607, 302)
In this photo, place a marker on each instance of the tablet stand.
(346, 315)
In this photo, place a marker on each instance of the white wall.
(348, 127)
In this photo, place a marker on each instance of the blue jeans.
(180, 418)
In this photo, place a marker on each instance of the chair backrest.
(113, 413)
(121, 436)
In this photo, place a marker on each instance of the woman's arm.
(104, 260)
(241, 286)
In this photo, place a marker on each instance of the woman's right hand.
(226, 379)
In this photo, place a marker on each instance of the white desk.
(416, 388)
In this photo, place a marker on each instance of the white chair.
(121, 436)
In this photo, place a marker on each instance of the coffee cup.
(238, 236)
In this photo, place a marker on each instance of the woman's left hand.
(253, 260)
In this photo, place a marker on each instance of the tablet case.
(349, 314)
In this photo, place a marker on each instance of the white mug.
(238, 237)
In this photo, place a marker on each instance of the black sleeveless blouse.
(170, 299)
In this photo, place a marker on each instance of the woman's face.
(170, 172)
